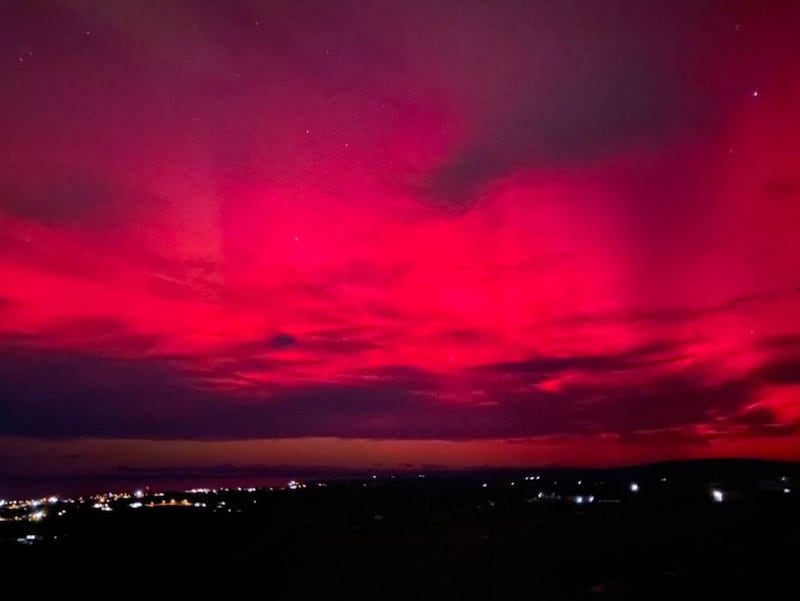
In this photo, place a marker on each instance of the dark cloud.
(763, 421)
(588, 114)
(758, 416)
(281, 340)
(323, 341)
(669, 402)
(780, 371)
(60, 394)
(53, 394)
(598, 84)
(541, 367)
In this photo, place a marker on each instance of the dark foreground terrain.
(720, 529)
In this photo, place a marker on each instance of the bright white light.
(37, 516)
(138, 494)
(634, 487)
(52, 500)
(786, 491)
(293, 485)
(135, 505)
(484, 485)
(755, 93)
(591, 499)
(579, 500)
(717, 495)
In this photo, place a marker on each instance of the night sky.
(397, 234)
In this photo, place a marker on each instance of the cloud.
(780, 371)
(783, 341)
(281, 340)
(756, 420)
(541, 367)
(598, 89)
(324, 341)
(53, 394)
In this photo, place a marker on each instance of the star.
(755, 93)
(297, 238)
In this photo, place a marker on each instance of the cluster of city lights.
(36, 510)
(39, 509)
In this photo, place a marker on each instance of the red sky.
(370, 234)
